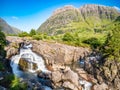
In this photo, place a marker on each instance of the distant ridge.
(7, 29)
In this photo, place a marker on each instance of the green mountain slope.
(7, 29)
(71, 19)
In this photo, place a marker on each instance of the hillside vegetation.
(87, 26)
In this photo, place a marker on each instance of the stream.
(32, 58)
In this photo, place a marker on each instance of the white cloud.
(14, 17)
(117, 8)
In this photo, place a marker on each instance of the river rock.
(102, 86)
(24, 65)
(56, 76)
(71, 76)
(84, 75)
(11, 51)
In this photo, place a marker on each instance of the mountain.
(7, 29)
(70, 19)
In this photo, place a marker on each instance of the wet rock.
(44, 75)
(2, 88)
(24, 65)
(69, 85)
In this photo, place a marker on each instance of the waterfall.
(31, 58)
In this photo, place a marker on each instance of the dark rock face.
(100, 11)
(111, 72)
(106, 74)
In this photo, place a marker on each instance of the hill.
(71, 19)
(7, 29)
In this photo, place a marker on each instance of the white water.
(87, 85)
(31, 57)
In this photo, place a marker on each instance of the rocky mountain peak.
(63, 9)
(99, 10)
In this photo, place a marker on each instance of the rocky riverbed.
(59, 59)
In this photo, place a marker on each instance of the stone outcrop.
(65, 8)
(13, 45)
(59, 54)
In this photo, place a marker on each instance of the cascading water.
(31, 58)
(86, 85)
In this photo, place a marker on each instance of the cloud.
(14, 17)
(117, 8)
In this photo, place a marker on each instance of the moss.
(24, 65)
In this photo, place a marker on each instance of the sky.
(30, 14)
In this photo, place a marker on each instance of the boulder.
(56, 76)
(11, 51)
(71, 76)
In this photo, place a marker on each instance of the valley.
(74, 49)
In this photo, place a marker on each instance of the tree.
(2, 44)
(111, 47)
(32, 32)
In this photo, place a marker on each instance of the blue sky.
(28, 14)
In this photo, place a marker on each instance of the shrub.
(37, 37)
(23, 34)
(68, 37)
(93, 42)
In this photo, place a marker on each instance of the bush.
(37, 37)
(93, 42)
(68, 37)
(23, 34)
